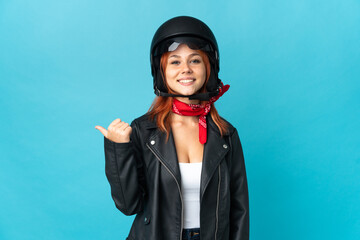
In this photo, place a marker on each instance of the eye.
(175, 62)
(196, 60)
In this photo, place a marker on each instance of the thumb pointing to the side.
(102, 130)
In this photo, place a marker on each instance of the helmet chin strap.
(199, 96)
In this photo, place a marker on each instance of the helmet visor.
(172, 44)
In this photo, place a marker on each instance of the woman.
(180, 167)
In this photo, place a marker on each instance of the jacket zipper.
(177, 183)
(217, 204)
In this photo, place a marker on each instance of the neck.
(180, 119)
(187, 100)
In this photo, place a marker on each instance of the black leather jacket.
(144, 176)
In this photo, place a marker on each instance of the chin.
(188, 92)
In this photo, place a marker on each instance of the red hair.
(161, 108)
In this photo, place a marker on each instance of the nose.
(186, 68)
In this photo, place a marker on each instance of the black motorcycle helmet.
(195, 34)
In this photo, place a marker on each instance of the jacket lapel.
(214, 151)
(166, 151)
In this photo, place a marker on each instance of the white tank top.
(190, 188)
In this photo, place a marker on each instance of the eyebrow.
(191, 55)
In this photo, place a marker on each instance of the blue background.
(293, 67)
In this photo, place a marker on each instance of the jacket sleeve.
(124, 171)
(239, 212)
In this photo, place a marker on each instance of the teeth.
(186, 81)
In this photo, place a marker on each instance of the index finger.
(116, 121)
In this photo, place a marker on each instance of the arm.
(124, 171)
(239, 212)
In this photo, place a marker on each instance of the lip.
(186, 83)
(186, 78)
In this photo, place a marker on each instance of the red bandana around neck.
(185, 109)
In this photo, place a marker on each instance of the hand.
(117, 131)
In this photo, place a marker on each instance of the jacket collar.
(214, 151)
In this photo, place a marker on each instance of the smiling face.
(185, 71)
